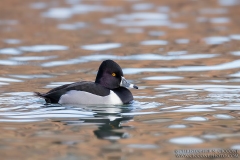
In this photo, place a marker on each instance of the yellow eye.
(113, 74)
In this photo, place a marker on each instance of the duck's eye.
(113, 74)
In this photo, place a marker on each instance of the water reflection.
(143, 15)
(220, 20)
(43, 48)
(73, 26)
(228, 2)
(32, 58)
(109, 130)
(184, 56)
(223, 116)
(235, 74)
(237, 146)
(10, 51)
(38, 5)
(142, 6)
(32, 76)
(177, 126)
(9, 79)
(182, 41)
(223, 66)
(196, 119)
(216, 40)
(100, 47)
(235, 36)
(8, 22)
(163, 78)
(154, 42)
(109, 120)
(134, 30)
(65, 13)
(186, 140)
(12, 41)
(9, 62)
(173, 55)
(156, 33)
(236, 53)
(213, 11)
(61, 13)
(143, 146)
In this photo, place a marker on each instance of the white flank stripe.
(81, 97)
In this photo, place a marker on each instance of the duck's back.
(55, 95)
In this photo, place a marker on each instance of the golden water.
(183, 55)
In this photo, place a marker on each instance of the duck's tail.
(42, 96)
(38, 94)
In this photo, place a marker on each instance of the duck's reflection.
(109, 129)
(109, 120)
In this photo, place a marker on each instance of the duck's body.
(87, 93)
(108, 88)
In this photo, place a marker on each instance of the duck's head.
(110, 75)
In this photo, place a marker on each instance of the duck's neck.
(98, 78)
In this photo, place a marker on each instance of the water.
(185, 61)
(100, 47)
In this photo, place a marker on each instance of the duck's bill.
(125, 83)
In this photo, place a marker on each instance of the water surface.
(184, 56)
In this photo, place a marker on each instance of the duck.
(110, 87)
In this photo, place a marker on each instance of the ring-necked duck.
(108, 88)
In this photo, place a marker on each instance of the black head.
(109, 74)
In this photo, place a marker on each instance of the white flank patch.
(81, 97)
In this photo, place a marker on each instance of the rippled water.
(183, 55)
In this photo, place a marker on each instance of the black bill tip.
(136, 87)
